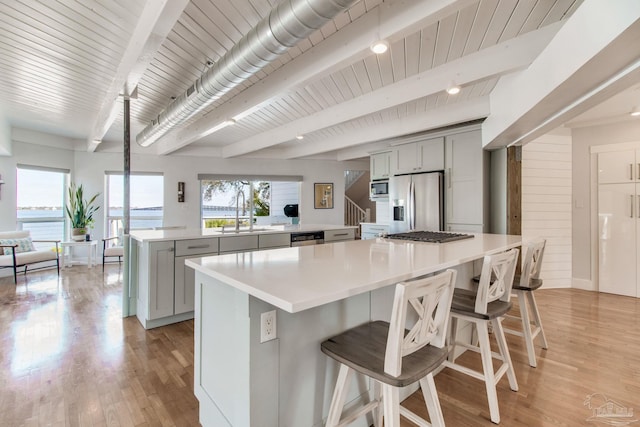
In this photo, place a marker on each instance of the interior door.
(617, 234)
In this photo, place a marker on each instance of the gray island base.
(317, 292)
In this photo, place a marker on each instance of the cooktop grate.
(430, 236)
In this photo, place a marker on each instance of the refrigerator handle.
(413, 205)
(409, 206)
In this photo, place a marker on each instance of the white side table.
(92, 252)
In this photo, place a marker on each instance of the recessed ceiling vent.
(285, 26)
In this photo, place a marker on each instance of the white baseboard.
(584, 284)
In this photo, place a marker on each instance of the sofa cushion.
(24, 245)
(28, 257)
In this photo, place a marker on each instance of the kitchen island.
(316, 292)
(161, 288)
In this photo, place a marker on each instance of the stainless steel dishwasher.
(305, 239)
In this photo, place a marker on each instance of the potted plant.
(80, 211)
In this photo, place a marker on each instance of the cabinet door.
(380, 165)
(617, 167)
(184, 293)
(338, 235)
(617, 222)
(464, 179)
(405, 159)
(161, 273)
(431, 155)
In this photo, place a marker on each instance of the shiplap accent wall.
(546, 204)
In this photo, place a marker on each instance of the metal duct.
(285, 26)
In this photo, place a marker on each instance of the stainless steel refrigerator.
(416, 202)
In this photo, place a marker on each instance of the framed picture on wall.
(323, 195)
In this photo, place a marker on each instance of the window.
(40, 202)
(223, 198)
(146, 201)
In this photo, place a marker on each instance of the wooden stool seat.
(533, 284)
(362, 348)
(464, 302)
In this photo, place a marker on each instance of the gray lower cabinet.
(271, 241)
(184, 293)
(338, 235)
(165, 287)
(161, 255)
(238, 244)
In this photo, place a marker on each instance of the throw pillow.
(24, 245)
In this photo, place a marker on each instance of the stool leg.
(536, 318)
(339, 395)
(391, 404)
(378, 412)
(526, 327)
(487, 368)
(453, 329)
(431, 399)
(504, 351)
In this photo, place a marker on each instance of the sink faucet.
(240, 192)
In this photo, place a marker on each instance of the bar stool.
(484, 307)
(394, 357)
(523, 287)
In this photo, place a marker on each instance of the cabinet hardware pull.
(638, 211)
(631, 172)
(198, 247)
(341, 234)
(632, 206)
(638, 172)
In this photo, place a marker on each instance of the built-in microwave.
(379, 190)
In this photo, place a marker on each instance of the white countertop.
(299, 278)
(196, 233)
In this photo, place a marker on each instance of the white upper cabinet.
(380, 165)
(466, 182)
(416, 157)
(618, 167)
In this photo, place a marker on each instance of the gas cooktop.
(430, 236)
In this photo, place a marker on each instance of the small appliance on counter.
(291, 211)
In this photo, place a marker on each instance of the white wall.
(89, 168)
(546, 204)
(582, 140)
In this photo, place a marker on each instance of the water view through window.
(40, 201)
(223, 200)
(146, 202)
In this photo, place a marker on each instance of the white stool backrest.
(431, 299)
(532, 262)
(496, 279)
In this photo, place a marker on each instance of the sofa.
(17, 250)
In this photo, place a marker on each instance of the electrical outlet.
(268, 326)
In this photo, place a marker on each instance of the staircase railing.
(354, 214)
(350, 177)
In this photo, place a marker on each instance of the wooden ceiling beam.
(156, 21)
(393, 22)
(504, 58)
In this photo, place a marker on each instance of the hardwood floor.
(69, 359)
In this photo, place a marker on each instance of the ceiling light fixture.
(379, 47)
(454, 89)
(229, 122)
(635, 112)
(299, 137)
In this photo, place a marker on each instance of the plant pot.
(78, 234)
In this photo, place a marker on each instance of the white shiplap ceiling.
(63, 64)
